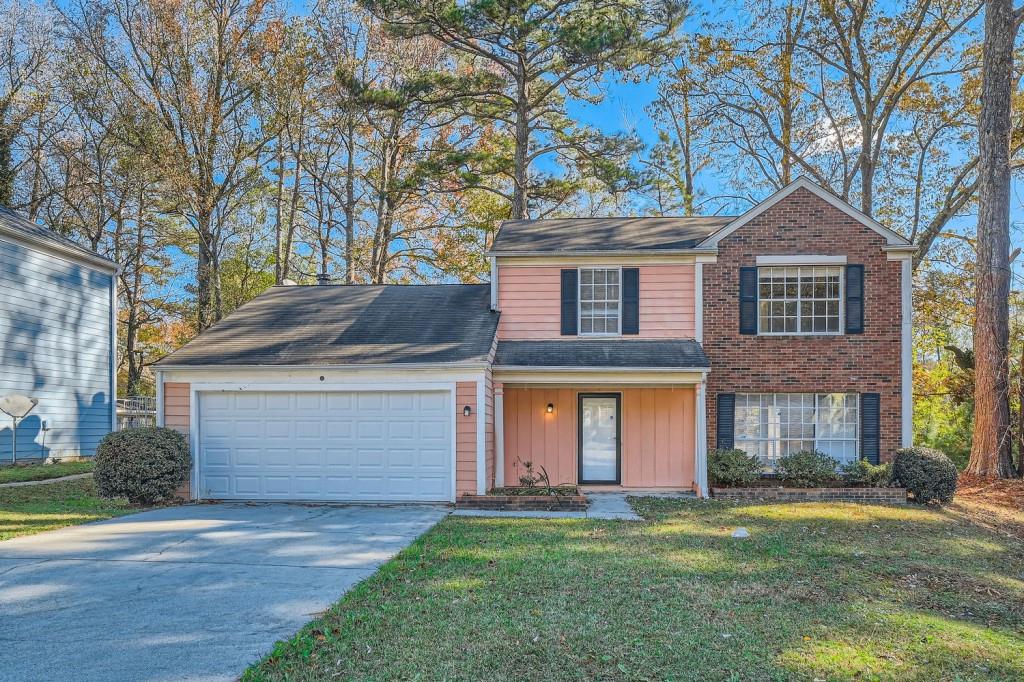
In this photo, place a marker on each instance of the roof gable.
(891, 238)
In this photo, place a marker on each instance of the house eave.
(602, 252)
(61, 250)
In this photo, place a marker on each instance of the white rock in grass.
(741, 532)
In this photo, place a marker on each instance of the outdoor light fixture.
(466, 411)
(551, 408)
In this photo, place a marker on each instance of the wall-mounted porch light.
(551, 408)
(466, 411)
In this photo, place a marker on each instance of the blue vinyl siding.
(54, 346)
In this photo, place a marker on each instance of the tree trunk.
(205, 307)
(991, 448)
(6, 166)
(279, 214)
(520, 163)
(350, 202)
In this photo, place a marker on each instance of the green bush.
(862, 473)
(732, 467)
(806, 469)
(927, 473)
(145, 465)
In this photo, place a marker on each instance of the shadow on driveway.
(185, 593)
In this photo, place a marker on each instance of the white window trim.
(579, 302)
(774, 401)
(801, 260)
(842, 303)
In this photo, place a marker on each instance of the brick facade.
(802, 223)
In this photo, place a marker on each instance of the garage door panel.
(331, 445)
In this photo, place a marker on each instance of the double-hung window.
(800, 300)
(770, 425)
(600, 299)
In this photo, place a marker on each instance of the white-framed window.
(770, 425)
(800, 299)
(600, 298)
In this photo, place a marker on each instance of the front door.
(599, 438)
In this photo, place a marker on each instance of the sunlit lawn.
(39, 472)
(819, 591)
(32, 509)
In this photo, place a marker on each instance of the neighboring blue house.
(57, 340)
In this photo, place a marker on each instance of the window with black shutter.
(569, 305)
(630, 300)
(870, 429)
(748, 300)
(854, 299)
(725, 423)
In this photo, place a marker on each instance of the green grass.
(820, 591)
(30, 509)
(41, 472)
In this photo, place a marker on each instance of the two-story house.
(609, 351)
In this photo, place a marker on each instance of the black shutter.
(854, 299)
(630, 300)
(869, 427)
(569, 295)
(725, 421)
(748, 300)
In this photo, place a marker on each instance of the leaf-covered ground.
(819, 591)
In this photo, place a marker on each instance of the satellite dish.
(17, 407)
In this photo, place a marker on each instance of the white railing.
(136, 411)
(139, 403)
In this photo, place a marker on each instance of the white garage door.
(373, 446)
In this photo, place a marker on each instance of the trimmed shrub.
(927, 473)
(806, 469)
(145, 465)
(864, 474)
(732, 467)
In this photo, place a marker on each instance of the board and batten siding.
(658, 433)
(529, 298)
(55, 345)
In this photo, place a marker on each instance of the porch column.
(499, 435)
(702, 439)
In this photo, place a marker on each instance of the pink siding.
(176, 416)
(529, 298)
(489, 429)
(465, 438)
(658, 437)
(667, 301)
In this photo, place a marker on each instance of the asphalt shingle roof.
(14, 222)
(350, 324)
(617, 352)
(605, 234)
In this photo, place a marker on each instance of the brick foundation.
(860, 495)
(523, 502)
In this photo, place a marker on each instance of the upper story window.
(800, 300)
(600, 301)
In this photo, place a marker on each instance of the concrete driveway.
(185, 593)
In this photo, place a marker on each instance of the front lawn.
(25, 510)
(819, 591)
(41, 472)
